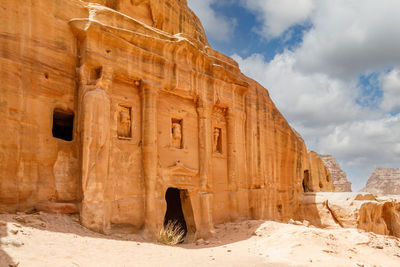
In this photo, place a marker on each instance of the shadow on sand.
(224, 234)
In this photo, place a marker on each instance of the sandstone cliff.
(339, 177)
(384, 181)
(110, 103)
(318, 178)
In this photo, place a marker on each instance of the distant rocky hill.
(385, 181)
(339, 177)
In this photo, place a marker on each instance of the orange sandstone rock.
(123, 107)
(318, 178)
(352, 210)
(53, 207)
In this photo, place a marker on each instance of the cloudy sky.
(331, 67)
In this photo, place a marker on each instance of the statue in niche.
(217, 146)
(124, 122)
(176, 134)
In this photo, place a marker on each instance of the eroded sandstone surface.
(108, 104)
(384, 181)
(365, 211)
(318, 177)
(339, 177)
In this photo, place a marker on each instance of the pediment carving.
(179, 169)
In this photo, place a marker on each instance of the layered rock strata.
(384, 181)
(339, 177)
(111, 104)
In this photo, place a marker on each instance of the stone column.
(204, 110)
(233, 128)
(95, 137)
(150, 158)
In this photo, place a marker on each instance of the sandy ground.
(59, 240)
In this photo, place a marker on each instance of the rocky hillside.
(385, 181)
(339, 177)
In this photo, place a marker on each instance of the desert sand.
(59, 240)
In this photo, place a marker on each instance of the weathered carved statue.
(217, 143)
(177, 135)
(124, 125)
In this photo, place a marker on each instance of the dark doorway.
(63, 122)
(174, 212)
(306, 181)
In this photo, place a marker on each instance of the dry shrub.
(171, 234)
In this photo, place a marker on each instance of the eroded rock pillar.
(95, 134)
(150, 158)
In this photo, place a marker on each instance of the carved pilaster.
(234, 128)
(204, 111)
(94, 117)
(150, 155)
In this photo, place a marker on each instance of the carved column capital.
(147, 88)
(204, 108)
(233, 113)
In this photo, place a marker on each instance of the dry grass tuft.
(171, 234)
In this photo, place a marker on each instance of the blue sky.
(331, 67)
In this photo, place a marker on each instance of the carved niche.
(124, 127)
(176, 133)
(219, 128)
(217, 140)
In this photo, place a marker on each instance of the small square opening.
(95, 74)
(63, 124)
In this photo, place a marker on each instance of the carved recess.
(124, 127)
(176, 133)
(219, 129)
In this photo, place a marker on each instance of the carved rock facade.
(384, 181)
(339, 177)
(110, 103)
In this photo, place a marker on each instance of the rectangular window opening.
(63, 124)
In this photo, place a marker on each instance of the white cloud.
(216, 25)
(391, 90)
(324, 111)
(305, 100)
(350, 37)
(278, 16)
(316, 84)
(364, 145)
